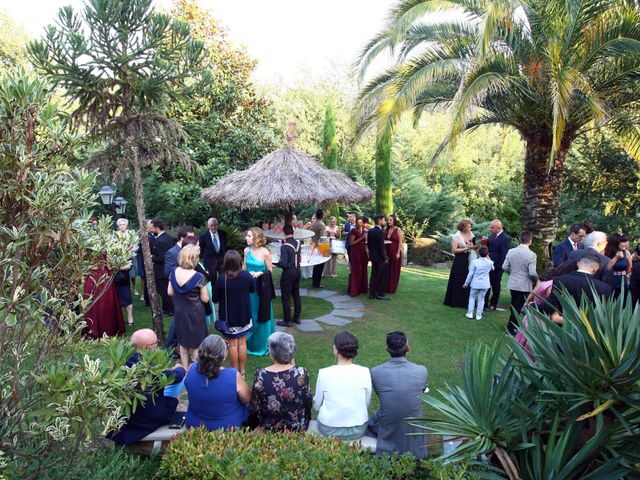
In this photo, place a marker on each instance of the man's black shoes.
(383, 297)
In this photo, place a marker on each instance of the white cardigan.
(343, 393)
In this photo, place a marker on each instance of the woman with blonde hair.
(257, 261)
(187, 287)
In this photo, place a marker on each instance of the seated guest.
(281, 395)
(343, 392)
(579, 283)
(157, 409)
(218, 396)
(398, 383)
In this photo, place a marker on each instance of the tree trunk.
(150, 278)
(384, 194)
(542, 189)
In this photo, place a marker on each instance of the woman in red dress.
(394, 235)
(105, 315)
(358, 276)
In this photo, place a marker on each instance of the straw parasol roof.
(283, 178)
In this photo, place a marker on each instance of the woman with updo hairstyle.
(218, 396)
(343, 392)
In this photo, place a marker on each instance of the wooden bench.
(166, 434)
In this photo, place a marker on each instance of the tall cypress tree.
(330, 147)
(384, 194)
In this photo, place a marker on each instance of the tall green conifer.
(384, 195)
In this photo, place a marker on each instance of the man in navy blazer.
(213, 246)
(156, 411)
(561, 251)
(499, 244)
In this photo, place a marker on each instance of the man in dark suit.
(290, 259)
(213, 246)
(157, 410)
(634, 283)
(379, 260)
(161, 246)
(499, 244)
(579, 283)
(594, 244)
(572, 243)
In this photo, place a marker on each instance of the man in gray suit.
(520, 263)
(398, 383)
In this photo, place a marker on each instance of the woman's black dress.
(188, 309)
(457, 296)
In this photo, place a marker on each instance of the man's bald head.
(495, 227)
(145, 338)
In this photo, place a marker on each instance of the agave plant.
(571, 411)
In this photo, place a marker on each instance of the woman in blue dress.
(621, 262)
(257, 260)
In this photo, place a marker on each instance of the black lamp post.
(107, 193)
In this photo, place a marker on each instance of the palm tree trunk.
(384, 194)
(150, 279)
(542, 189)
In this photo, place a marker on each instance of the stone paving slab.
(333, 320)
(341, 298)
(348, 313)
(320, 293)
(309, 326)
(304, 292)
(348, 305)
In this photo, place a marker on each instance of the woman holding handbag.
(232, 290)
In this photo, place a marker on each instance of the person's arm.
(506, 266)
(267, 259)
(367, 387)
(557, 254)
(319, 396)
(457, 249)
(170, 262)
(381, 246)
(217, 291)
(244, 394)
(533, 273)
(472, 271)
(204, 293)
(170, 291)
(400, 243)
(629, 263)
(244, 258)
(614, 260)
(556, 317)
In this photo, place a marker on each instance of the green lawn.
(437, 334)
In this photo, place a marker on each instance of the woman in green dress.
(257, 260)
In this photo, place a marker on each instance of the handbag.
(221, 325)
(338, 247)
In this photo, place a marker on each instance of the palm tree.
(120, 63)
(551, 69)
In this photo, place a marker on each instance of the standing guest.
(588, 227)
(209, 309)
(332, 231)
(499, 244)
(218, 396)
(346, 230)
(257, 261)
(358, 260)
(104, 315)
(578, 284)
(343, 392)
(394, 235)
(379, 260)
(462, 243)
(161, 245)
(595, 243)
(187, 287)
(290, 260)
(213, 244)
(158, 408)
(231, 291)
(478, 279)
(621, 264)
(123, 227)
(520, 264)
(170, 264)
(573, 242)
(634, 283)
(399, 384)
(318, 228)
(307, 272)
(122, 282)
(281, 396)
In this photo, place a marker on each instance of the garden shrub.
(424, 251)
(278, 456)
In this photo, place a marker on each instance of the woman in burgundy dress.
(359, 259)
(105, 315)
(394, 235)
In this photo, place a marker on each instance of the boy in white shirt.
(478, 279)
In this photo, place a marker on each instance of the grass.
(437, 333)
(311, 308)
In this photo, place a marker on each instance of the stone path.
(345, 309)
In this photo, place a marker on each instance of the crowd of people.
(586, 261)
(281, 397)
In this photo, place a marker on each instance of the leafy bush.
(424, 251)
(278, 456)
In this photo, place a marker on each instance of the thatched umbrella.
(284, 178)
